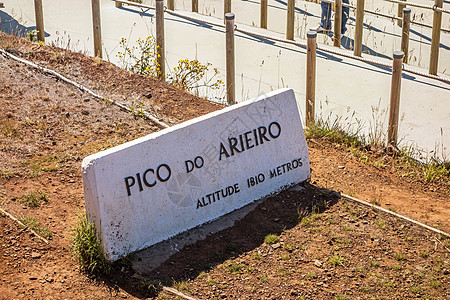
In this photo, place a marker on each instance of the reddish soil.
(338, 250)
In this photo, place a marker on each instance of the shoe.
(319, 29)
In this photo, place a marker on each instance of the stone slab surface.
(148, 190)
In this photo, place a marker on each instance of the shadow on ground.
(11, 26)
(272, 216)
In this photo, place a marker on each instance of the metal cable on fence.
(432, 7)
(393, 17)
(171, 12)
(340, 53)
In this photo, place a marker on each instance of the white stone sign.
(150, 189)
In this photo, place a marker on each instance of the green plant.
(311, 275)
(341, 297)
(182, 286)
(424, 254)
(334, 130)
(34, 199)
(34, 224)
(263, 278)
(374, 263)
(435, 284)
(32, 35)
(150, 287)
(234, 268)
(271, 239)
(256, 255)
(336, 260)
(307, 222)
(141, 58)
(380, 224)
(285, 257)
(87, 247)
(399, 256)
(211, 282)
(397, 268)
(414, 289)
(190, 75)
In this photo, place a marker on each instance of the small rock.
(35, 255)
(317, 263)
(32, 278)
(49, 279)
(341, 167)
(87, 99)
(276, 246)
(276, 219)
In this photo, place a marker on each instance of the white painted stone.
(140, 216)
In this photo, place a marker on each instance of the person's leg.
(325, 20)
(345, 16)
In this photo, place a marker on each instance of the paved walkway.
(354, 92)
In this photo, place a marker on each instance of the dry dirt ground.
(324, 247)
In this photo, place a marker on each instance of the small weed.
(307, 222)
(360, 269)
(232, 247)
(34, 199)
(34, 224)
(234, 268)
(264, 278)
(211, 282)
(435, 284)
(336, 260)
(375, 202)
(390, 284)
(150, 287)
(281, 271)
(424, 254)
(399, 256)
(345, 228)
(374, 263)
(8, 174)
(182, 286)
(87, 247)
(285, 257)
(380, 224)
(271, 239)
(311, 275)
(397, 268)
(414, 289)
(289, 247)
(301, 213)
(256, 255)
(341, 297)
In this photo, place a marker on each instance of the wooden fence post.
(171, 4)
(231, 86)
(227, 6)
(160, 38)
(290, 19)
(395, 98)
(263, 18)
(337, 22)
(39, 20)
(118, 4)
(405, 33)
(310, 78)
(435, 38)
(97, 28)
(359, 26)
(195, 6)
(400, 12)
